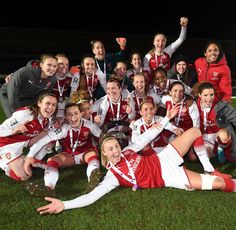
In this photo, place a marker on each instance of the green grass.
(164, 208)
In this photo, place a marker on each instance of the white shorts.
(10, 152)
(78, 158)
(173, 174)
(209, 140)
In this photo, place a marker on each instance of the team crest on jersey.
(13, 122)
(215, 75)
(86, 134)
(8, 156)
(124, 107)
(135, 128)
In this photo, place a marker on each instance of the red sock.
(94, 157)
(198, 142)
(14, 176)
(53, 164)
(229, 185)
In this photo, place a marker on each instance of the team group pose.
(138, 118)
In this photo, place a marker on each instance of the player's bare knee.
(89, 154)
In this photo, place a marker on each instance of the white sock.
(204, 159)
(51, 176)
(93, 164)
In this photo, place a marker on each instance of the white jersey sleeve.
(194, 114)
(93, 128)
(156, 98)
(145, 138)
(104, 106)
(146, 60)
(96, 104)
(75, 82)
(136, 130)
(166, 98)
(175, 45)
(102, 79)
(52, 135)
(17, 118)
(109, 183)
(131, 103)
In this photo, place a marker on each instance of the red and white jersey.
(187, 117)
(163, 60)
(140, 127)
(156, 61)
(102, 79)
(110, 111)
(147, 170)
(77, 141)
(208, 118)
(62, 87)
(164, 91)
(136, 101)
(24, 116)
(91, 82)
(73, 141)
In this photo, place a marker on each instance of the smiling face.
(73, 116)
(181, 67)
(136, 61)
(207, 97)
(159, 42)
(212, 53)
(120, 70)
(113, 91)
(177, 93)
(49, 67)
(85, 109)
(160, 79)
(47, 106)
(139, 84)
(112, 150)
(99, 50)
(89, 66)
(147, 111)
(63, 66)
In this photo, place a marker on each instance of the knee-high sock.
(201, 152)
(93, 163)
(51, 174)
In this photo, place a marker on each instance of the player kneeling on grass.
(129, 169)
(76, 148)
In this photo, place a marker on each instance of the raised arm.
(175, 45)
(153, 132)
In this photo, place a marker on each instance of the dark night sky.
(206, 19)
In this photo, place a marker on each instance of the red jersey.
(147, 170)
